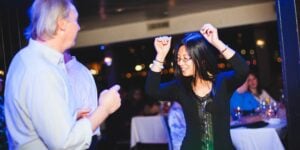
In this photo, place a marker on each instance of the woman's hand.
(162, 45)
(210, 33)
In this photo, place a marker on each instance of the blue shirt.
(246, 101)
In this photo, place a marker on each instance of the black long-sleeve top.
(224, 85)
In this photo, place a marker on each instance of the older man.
(38, 95)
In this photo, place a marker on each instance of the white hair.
(44, 15)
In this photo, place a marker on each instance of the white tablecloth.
(150, 129)
(258, 139)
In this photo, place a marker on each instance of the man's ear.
(61, 24)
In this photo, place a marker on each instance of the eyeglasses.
(184, 60)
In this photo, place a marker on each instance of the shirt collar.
(49, 53)
(71, 62)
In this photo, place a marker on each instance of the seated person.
(260, 94)
(151, 108)
(263, 97)
(243, 100)
(177, 125)
(254, 102)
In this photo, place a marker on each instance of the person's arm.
(153, 87)
(162, 46)
(211, 35)
(240, 72)
(165, 91)
(109, 102)
(52, 117)
(239, 65)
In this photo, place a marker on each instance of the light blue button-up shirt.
(38, 102)
(83, 86)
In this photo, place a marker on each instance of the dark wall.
(13, 20)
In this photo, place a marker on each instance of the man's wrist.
(103, 110)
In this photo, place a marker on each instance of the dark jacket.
(224, 85)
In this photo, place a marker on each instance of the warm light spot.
(93, 71)
(260, 43)
(2, 72)
(243, 52)
(221, 65)
(252, 52)
(172, 3)
(95, 68)
(171, 70)
(144, 73)
(128, 75)
(279, 60)
(138, 67)
(119, 10)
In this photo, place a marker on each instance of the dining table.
(148, 130)
(154, 130)
(262, 135)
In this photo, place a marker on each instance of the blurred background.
(116, 38)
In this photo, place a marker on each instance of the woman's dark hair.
(258, 88)
(202, 55)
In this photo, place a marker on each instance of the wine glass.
(237, 114)
(263, 109)
(275, 107)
